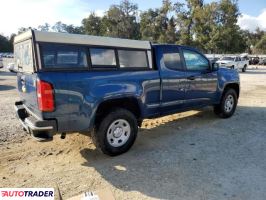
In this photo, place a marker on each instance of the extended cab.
(78, 83)
(234, 62)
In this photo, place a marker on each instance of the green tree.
(167, 23)
(11, 41)
(252, 38)
(44, 27)
(92, 25)
(5, 45)
(121, 21)
(204, 26)
(65, 28)
(74, 29)
(185, 16)
(228, 36)
(149, 28)
(170, 32)
(59, 27)
(211, 27)
(157, 25)
(261, 45)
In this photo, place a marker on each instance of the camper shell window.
(132, 59)
(101, 57)
(82, 57)
(23, 59)
(57, 56)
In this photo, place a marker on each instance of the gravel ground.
(191, 155)
(10, 128)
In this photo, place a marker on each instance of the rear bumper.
(32, 124)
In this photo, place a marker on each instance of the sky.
(24, 13)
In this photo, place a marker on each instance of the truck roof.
(66, 38)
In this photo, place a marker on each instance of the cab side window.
(195, 61)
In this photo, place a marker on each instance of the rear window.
(63, 56)
(132, 59)
(23, 56)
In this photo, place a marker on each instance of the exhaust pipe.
(63, 135)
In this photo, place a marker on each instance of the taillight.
(45, 95)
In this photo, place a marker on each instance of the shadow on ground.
(197, 157)
(7, 73)
(255, 72)
(6, 87)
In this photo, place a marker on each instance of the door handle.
(191, 78)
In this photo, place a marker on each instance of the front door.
(202, 81)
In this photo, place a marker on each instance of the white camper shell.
(29, 53)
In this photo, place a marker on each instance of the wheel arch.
(234, 86)
(130, 103)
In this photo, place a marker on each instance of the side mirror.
(215, 67)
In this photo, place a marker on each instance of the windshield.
(227, 58)
(23, 56)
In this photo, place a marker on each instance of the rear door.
(202, 81)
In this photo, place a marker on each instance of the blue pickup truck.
(107, 86)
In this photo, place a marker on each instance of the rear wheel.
(116, 133)
(228, 104)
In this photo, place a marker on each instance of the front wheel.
(228, 104)
(116, 133)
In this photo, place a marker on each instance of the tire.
(244, 68)
(116, 133)
(229, 100)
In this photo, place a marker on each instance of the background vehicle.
(1, 62)
(262, 61)
(244, 63)
(213, 60)
(234, 62)
(11, 67)
(110, 85)
(254, 60)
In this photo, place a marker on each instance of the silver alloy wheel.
(229, 103)
(118, 133)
